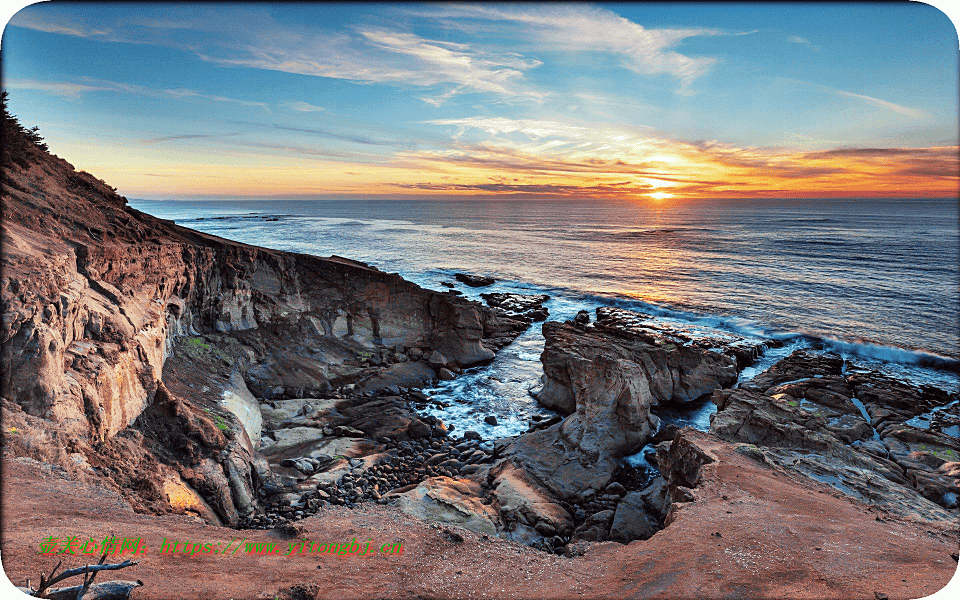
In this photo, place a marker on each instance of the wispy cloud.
(385, 56)
(57, 88)
(73, 90)
(187, 136)
(55, 23)
(251, 37)
(578, 28)
(903, 110)
(796, 39)
(302, 106)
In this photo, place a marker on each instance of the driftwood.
(109, 590)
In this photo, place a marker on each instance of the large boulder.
(631, 521)
(606, 379)
(522, 499)
(446, 500)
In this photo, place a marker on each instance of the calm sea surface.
(875, 280)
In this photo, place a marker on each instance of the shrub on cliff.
(21, 146)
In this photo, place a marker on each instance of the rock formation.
(847, 428)
(606, 376)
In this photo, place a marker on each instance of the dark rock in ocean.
(474, 280)
(418, 429)
(742, 350)
(616, 488)
(596, 528)
(528, 307)
(490, 420)
(582, 318)
(438, 360)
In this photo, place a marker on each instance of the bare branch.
(94, 569)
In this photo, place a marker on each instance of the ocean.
(875, 280)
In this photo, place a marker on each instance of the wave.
(874, 351)
(659, 231)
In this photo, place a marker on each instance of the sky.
(646, 102)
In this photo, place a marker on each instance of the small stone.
(490, 420)
(616, 488)
(438, 360)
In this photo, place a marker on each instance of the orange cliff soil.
(752, 531)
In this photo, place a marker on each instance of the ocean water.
(875, 280)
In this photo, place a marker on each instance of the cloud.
(903, 110)
(385, 56)
(301, 106)
(796, 39)
(252, 37)
(938, 162)
(555, 190)
(187, 136)
(58, 88)
(581, 28)
(74, 90)
(184, 93)
(55, 23)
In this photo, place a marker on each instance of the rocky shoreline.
(520, 492)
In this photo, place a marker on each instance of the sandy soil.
(780, 536)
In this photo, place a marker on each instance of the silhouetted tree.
(19, 145)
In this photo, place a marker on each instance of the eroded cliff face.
(94, 294)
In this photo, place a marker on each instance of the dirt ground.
(753, 532)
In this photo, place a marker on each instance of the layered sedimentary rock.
(578, 360)
(847, 428)
(606, 376)
(95, 293)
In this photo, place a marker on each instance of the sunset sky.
(627, 101)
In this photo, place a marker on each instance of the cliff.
(96, 294)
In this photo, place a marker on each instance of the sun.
(660, 195)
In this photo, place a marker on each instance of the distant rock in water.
(743, 350)
(475, 280)
(528, 307)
